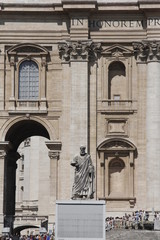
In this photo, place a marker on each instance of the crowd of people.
(37, 237)
(126, 221)
(29, 237)
(129, 220)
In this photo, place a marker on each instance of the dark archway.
(17, 230)
(24, 129)
(15, 135)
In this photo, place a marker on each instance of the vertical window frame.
(27, 97)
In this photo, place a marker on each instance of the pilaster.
(149, 52)
(78, 54)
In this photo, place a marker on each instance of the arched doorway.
(16, 134)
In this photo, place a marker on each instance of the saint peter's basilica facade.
(73, 73)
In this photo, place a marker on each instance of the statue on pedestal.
(83, 186)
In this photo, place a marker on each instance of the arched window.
(117, 81)
(28, 80)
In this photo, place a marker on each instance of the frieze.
(80, 50)
(147, 51)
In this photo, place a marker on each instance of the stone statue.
(83, 186)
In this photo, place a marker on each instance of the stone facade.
(96, 67)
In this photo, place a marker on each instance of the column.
(153, 130)
(27, 170)
(149, 52)
(141, 76)
(2, 156)
(3, 148)
(43, 84)
(54, 155)
(9, 188)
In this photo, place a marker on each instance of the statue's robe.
(83, 180)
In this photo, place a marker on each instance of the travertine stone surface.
(98, 67)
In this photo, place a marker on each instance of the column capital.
(147, 51)
(53, 155)
(79, 50)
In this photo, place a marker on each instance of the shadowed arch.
(16, 134)
(24, 129)
(17, 230)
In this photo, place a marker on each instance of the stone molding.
(79, 50)
(147, 51)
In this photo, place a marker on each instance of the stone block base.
(80, 220)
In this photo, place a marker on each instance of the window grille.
(28, 80)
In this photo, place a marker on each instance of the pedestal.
(80, 220)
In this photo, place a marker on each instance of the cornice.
(78, 5)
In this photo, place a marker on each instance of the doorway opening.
(20, 136)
